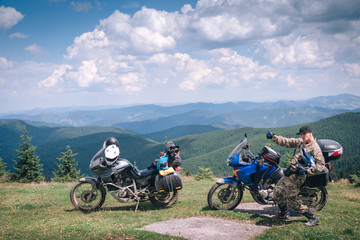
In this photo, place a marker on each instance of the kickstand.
(137, 204)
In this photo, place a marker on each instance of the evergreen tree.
(67, 167)
(2, 168)
(27, 167)
(204, 173)
(4, 175)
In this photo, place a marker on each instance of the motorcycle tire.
(224, 196)
(315, 198)
(83, 200)
(165, 199)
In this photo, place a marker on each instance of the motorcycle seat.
(143, 173)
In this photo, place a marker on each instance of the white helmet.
(112, 150)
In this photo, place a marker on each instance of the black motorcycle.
(125, 183)
(259, 174)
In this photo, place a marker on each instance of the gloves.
(269, 135)
(288, 172)
(166, 172)
(301, 170)
(309, 159)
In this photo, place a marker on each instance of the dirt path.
(210, 228)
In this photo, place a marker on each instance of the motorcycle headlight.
(228, 161)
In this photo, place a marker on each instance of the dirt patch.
(195, 228)
(198, 228)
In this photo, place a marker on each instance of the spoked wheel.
(224, 196)
(86, 198)
(165, 199)
(315, 198)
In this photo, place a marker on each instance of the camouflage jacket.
(311, 148)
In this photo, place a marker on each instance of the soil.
(211, 228)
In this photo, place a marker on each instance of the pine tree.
(4, 175)
(2, 167)
(27, 167)
(67, 167)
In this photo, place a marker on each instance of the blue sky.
(56, 53)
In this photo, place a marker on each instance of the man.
(308, 153)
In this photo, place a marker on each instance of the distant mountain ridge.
(215, 114)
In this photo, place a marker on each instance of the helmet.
(110, 141)
(171, 149)
(112, 150)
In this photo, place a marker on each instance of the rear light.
(336, 153)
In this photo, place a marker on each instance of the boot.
(313, 220)
(284, 212)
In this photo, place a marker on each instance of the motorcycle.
(126, 184)
(259, 174)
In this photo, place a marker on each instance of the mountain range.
(146, 119)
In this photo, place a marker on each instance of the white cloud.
(297, 50)
(18, 35)
(56, 77)
(353, 69)
(81, 6)
(5, 64)
(88, 45)
(35, 50)
(9, 17)
(86, 75)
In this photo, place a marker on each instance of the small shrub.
(356, 179)
(204, 173)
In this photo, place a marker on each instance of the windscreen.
(239, 147)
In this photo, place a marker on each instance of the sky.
(60, 53)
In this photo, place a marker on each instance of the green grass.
(44, 211)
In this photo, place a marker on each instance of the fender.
(230, 180)
(94, 182)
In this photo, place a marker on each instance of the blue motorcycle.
(259, 174)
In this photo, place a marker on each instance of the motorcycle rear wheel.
(224, 196)
(165, 199)
(315, 198)
(84, 199)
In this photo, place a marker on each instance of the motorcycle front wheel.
(165, 199)
(224, 196)
(86, 198)
(315, 198)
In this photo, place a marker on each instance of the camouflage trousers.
(287, 190)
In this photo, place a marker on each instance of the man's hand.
(269, 135)
(301, 170)
(288, 172)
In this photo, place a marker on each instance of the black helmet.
(171, 149)
(111, 141)
(112, 150)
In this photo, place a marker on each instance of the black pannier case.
(331, 149)
(168, 183)
(317, 180)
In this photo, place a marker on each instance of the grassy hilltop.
(44, 211)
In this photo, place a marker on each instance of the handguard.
(310, 160)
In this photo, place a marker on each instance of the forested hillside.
(209, 149)
(212, 149)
